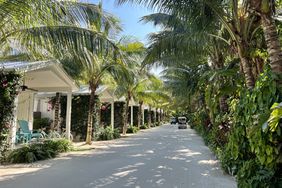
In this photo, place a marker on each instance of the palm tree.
(266, 11)
(94, 70)
(133, 55)
(232, 16)
(146, 91)
(80, 41)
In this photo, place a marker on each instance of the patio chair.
(26, 133)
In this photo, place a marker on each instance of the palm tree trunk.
(57, 112)
(223, 104)
(259, 63)
(248, 72)
(91, 107)
(149, 117)
(126, 114)
(140, 114)
(246, 65)
(159, 115)
(264, 9)
(217, 64)
(272, 42)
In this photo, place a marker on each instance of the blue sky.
(129, 15)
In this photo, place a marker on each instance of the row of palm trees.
(82, 37)
(223, 66)
(213, 34)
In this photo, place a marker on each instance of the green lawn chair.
(26, 133)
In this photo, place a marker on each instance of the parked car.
(173, 120)
(182, 123)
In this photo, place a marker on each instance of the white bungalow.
(40, 76)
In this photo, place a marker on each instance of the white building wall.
(23, 106)
(42, 105)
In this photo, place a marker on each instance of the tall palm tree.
(133, 52)
(266, 11)
(210, 16)
(94, 70)
(146, 91)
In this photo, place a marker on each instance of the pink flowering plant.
(9, 89)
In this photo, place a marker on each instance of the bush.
(40, 123)
(116, 133)
(59, 146)
(157, 124)
(132, 129)
(144, 127)
(39, 151)
(253, 175)
(107, 134)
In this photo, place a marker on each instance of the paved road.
(160, 157)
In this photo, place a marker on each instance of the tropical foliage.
(39, 151)
(222, 64)
(107, 134)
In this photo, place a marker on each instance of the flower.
(4, 83)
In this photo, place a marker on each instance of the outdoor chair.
(25, 133)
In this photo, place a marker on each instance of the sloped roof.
(25, 66)
(44, 76)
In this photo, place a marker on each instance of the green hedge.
(79, 114)
(119, 115)
(41, 123)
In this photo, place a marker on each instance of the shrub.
(144, 127)
(107, 134)
(252, 175)
(59, 146)
(116, 133)
(40, 123)
(39, 151)
(132, 129)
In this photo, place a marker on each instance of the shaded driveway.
(160, 157)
